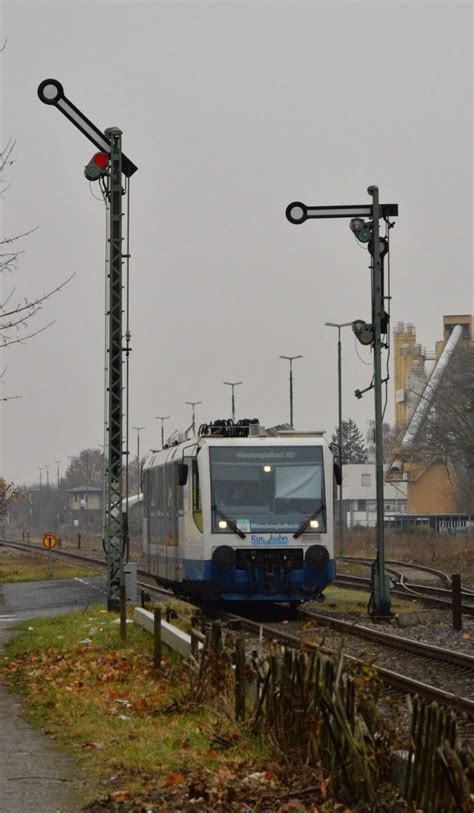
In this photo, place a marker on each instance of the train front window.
(267, 489)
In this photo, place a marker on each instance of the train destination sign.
(50, 540)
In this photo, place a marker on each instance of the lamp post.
(57, 498)
(291, 360)
(57, 471)
(162, 418)
(193, 404)
(340, 325)
(233, 384)
(40, 469)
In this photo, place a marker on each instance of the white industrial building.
(359, 496)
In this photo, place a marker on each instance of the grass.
(127, 724)
(24, 567)
(345, 600)
(421, 546)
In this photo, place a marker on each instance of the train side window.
(197, 505)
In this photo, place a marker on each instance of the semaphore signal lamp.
(361, 229)
(97, 167)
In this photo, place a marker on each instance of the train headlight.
(314, 523)
(267, 469)
(222, 524)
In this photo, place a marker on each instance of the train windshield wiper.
(304, 525)
(230, 522)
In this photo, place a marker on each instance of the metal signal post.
(367, 232)
(115, 536)
(109, 165)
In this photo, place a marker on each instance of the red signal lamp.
(97, 166)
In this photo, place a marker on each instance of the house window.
(76, 498)
(361, 505)
(365, 480)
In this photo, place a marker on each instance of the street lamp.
(233, 384)
(193, 404)
(340, 325)
(40, 469)
(291, 360)
(57, 470)
(162, 418)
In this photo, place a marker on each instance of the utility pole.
(233, 384)
(193, 404)
(340, 325)
(291, 360)
(40, 469)
(47, 466)
(57, 471)
(107, 166)
(368, 334)
(162, 418)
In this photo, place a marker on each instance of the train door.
(173, 498)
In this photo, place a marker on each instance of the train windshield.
(267, 489)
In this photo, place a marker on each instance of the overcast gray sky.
(231, 110)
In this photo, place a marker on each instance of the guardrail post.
(157, 638)
(240, 678)
(457, 601)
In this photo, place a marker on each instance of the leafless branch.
(23, 339)
(36, 302)
(7, 240)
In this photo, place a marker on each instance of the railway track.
(432, 595)
(429, 671)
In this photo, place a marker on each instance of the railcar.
(241, 513)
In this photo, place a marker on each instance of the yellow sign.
(50, 541)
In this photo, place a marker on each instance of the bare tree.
(17, 313)
(86, 469)
(389, 436)
(448, 430)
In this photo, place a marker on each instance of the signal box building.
(86, 504)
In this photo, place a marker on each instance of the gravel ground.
(429, 626)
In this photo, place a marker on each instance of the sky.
(231, 110)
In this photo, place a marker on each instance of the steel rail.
(412, 565)
(397, 681)
(406, 591)
(396, 641)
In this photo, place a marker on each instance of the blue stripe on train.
(235, 585)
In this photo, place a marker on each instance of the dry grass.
(25, 567)
(452, 554)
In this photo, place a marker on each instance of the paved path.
(34, 776)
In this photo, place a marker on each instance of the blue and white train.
(241, 513)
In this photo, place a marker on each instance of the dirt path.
(34, 776)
